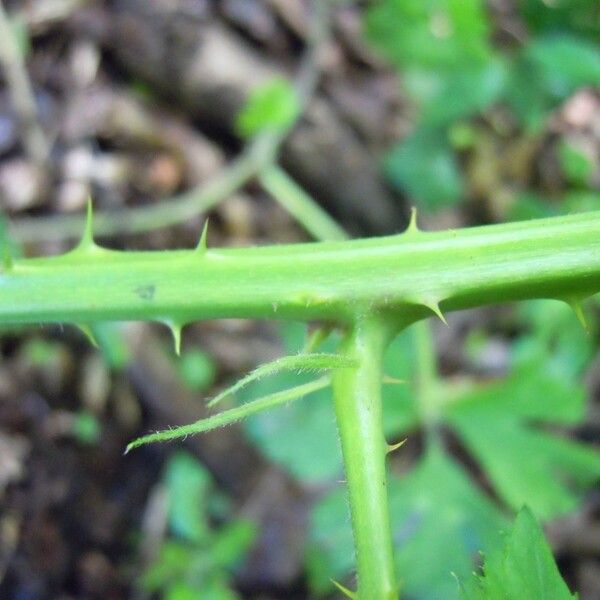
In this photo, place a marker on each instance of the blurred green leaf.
(188, 484)
(444, 97)
(439, 519)
(462, 135)
(197, 370)
(566, 63)
(272, 106)
(86, 428)
(577, 16)
(547, 71)
(171, 564)
(529, 205)
(525, 464)
(424, 166)
(432, 34)
(111, 342)
(524, 568)
(555, 341)
(301, 437)
(200, 562)
(232, 542)
(441, 47)
(581, 201)
(181, 569)
(330, 547)
(181, 591)
(575, 165)
(215, 590)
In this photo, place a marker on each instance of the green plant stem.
(300, 205)
(406, 276)
(357, 401)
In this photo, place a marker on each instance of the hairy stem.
(233, 415)
(357, 401)
(405, 276)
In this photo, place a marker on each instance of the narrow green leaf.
(231, 416)
(299, 363)
(282, 434)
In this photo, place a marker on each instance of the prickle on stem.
(202, 246)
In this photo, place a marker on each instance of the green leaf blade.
(524, 569)
(527, 465)
(436, 512)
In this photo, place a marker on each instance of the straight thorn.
(412, 224)
(87, 239)
(202, 246)
(344, 590)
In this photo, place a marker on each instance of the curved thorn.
(348, 593)
(89, 334)
(392, 447)
(202, 246)
(434, 307)
(176, 333)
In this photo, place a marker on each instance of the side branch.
(357, 402)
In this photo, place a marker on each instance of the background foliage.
(496, 119)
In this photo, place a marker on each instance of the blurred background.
(291, 120)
